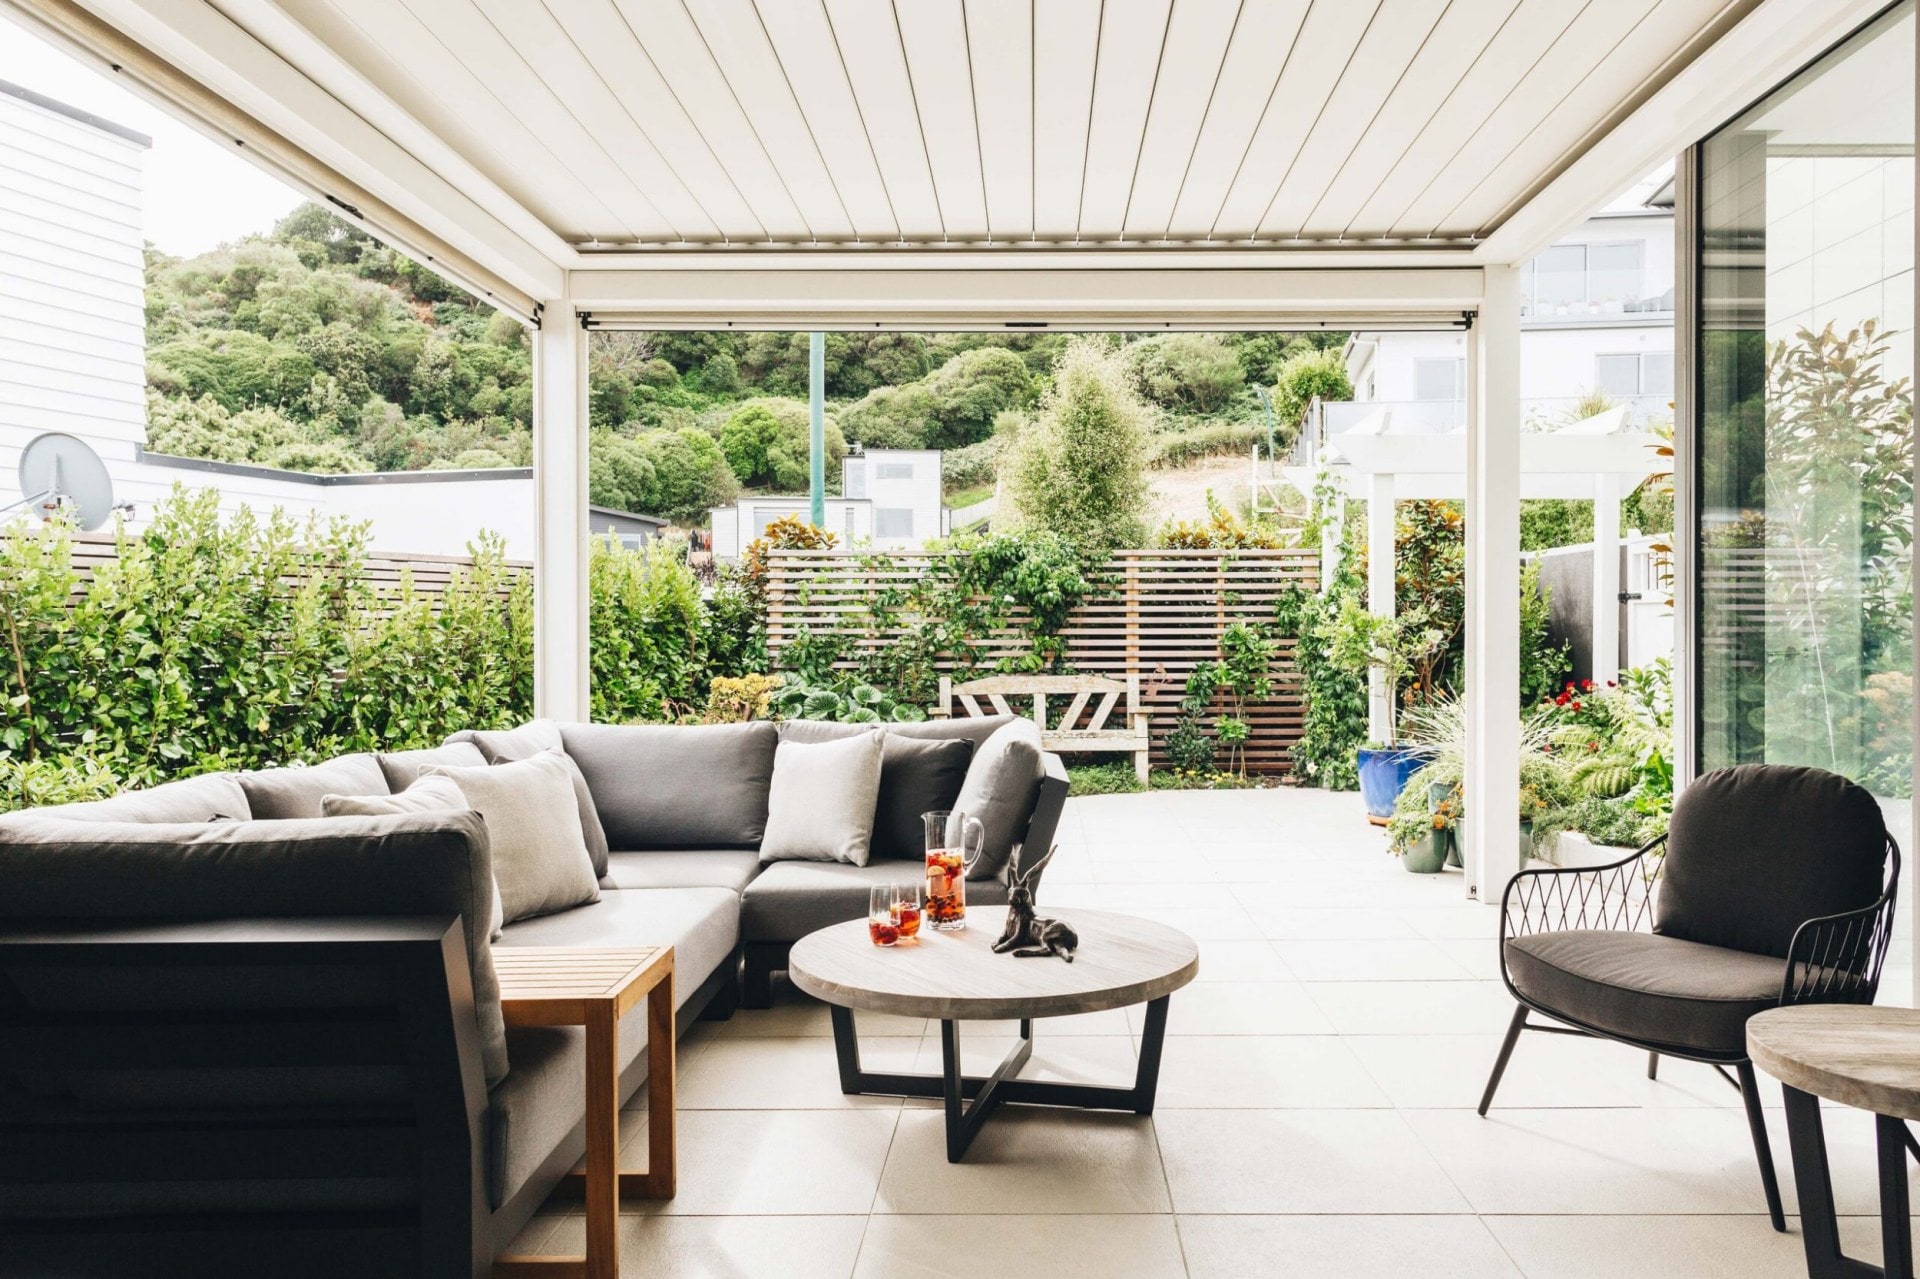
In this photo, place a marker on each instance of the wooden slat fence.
(1163, 616)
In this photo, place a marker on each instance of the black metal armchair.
(1777, 887)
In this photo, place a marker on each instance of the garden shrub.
(1306, 374)
(1198, 372)
(1079, 472)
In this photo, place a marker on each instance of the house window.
(1439, 379)
(893, 521)
(1649, 373)
(856, 477)
(893, 470)
(1574, 279)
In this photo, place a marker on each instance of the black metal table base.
(988, 1092)
(1818, 1227)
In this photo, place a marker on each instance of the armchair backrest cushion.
(431, 864)
(1755, 851)
(209, 797)
(274, 793)
(674, 786)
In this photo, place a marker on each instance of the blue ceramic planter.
(1384, 774)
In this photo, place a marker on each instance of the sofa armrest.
(1048, 804)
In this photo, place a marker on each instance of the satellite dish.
(61, 472)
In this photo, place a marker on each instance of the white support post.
(1493, 588)
(560, 516)
(1380, 602)
(1606, 577)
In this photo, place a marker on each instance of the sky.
(198, 194)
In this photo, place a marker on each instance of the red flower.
(1576, 706)
(1586, 684)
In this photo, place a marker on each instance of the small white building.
(891, 501)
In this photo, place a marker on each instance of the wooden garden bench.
(1068, 733)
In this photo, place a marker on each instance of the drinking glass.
(906, 909)
(954, 843)
(881, 927)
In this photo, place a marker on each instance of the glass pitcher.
(954, 843)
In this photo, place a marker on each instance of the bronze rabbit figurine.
(1028, 937)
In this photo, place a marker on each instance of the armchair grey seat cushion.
(1647, 987)
(537, 1105)
(729, 868)
(788, 900)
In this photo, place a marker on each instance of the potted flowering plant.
(1392, 647)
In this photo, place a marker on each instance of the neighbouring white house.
(73, 355)
(891, 501)
(1596, 318)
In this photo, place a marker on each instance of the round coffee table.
(955, 977)
(1860, 1056)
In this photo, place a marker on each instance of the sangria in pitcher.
(954, 844)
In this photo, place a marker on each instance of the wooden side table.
(1859, 1056)
(593, 987)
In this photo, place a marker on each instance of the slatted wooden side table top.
(594, 987)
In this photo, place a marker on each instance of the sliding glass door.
(1804, 440)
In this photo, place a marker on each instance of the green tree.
(1197, 372)
(1306, 374)
(1080, 470)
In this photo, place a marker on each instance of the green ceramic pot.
(1428, 856)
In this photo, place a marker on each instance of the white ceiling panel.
(1132, 34)
(807, 95)
(934, 35)
(1376, 72)
(1189, 69)
(1066, 45)
(951, 126)
(1000, 48)
(876, 66)
(1328, 39)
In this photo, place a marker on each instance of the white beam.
(1493, 588)
(560, 547)
(1606, 578)
(1380, 602)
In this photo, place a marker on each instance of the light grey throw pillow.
(540, 860)
(820, 806)
(1003, 782)
(429, 794)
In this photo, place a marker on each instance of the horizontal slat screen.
(1163, 616)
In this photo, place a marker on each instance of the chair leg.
(1653, 1065)
(1762, 1149)
(1514, 1027)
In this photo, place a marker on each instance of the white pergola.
(1597, 458)
(807, 164)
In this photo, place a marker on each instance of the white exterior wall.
(735, 526)
(904, 486)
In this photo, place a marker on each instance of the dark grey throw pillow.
(1003, 782)
(670, 786)
(296, 791)
(510, 746)
(917, 775)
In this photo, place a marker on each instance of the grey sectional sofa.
(233, 1030)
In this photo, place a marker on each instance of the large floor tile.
(1648, 1247)
(1300, 1161)
(1087, 1059)
(757, 1162)
(1026, 1159)
(1239, 1008)
(1341, 1247)
(1379, 959)
(1241, 960)
(787, 1074)
(1629, 1161)
(1429, 1071)
(1308, 923)
(1412, 1007)
(1041, 1247)
(1263, 1071)
(663, 1247)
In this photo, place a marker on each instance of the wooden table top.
(1122, 960)
(1854, 1054)
(551, 985)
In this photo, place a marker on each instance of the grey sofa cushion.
(417, 864)
(534, 1109)
(921, 770)
(1755, 851)
(540, 860)
(426, 795)
(402, 768)
(730, 868)
(1646, 987)
(211, 797)
(788, 900)
(820, 806)
(663, 786)
(1003, 780)
(526, 741)
(296, 792)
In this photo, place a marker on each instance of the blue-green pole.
(817, 426)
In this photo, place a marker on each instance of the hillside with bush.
(316, 348)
